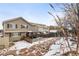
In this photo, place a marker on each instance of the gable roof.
(21, 18)
(36, 24)
(18, 18)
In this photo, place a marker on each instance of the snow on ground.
(9, 55)
(20, 45)
(59, 47)
(23, 44)
(41, 41)
(55, 49)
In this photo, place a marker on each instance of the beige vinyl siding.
(19, 23)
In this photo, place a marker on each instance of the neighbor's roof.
(53, 30)
(18, 18)
(54, 27)
(37, 24)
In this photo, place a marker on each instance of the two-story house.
(19, 26)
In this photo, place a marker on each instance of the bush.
(28, 39)
(23, 37)
(11, 44)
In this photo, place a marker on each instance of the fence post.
(6, 42)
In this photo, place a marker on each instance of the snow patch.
(20, 45)
(53, 50)
(10, 55)
(59, 47)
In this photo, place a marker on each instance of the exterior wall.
(18, 29)
(43, 29)
(46, 29)
(9, 31)
(40, 29)
(35, 28)
(19, 22)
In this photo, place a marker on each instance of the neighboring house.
(19, 26)
(56, 30)
(14, 28)
(41, 27)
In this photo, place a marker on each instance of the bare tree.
(70, 22)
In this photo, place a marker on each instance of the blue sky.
(37, 12)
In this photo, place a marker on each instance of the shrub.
(23, 37)
(28, 39)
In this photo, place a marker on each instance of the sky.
(33, 12)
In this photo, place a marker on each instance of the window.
(13, 26)
(9, 25)
(16, 26)
(24, 26)
(27, 26)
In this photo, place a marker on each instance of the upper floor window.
(13, 26)
(9, 25)
(16, 26)
(24, 26)
(27, 26)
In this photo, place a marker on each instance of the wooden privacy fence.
(4, 42)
